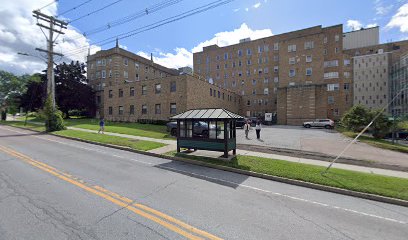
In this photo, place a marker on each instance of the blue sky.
(173, 44)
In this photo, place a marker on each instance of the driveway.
(318, 140)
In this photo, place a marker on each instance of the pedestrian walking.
(258, 129)
(101, 125)
(246, 128)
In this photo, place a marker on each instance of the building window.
(144, 90)
(253, 92)
(266, 70)
(210, 91)
(120, 110)
(330, 75)
(308, 58)
(225, 56)
(330, 99)
(332, 87)
(103, 74)
(266, 48)
(110, 111)
(325, 40)
(266, 91)
(325, 52)
(110, 73)
(137, 67)
(173, 108)
(308, 71)
(248, 51)
(346, 74)
(336, 38)
(125, 74)
(332, 63)
(173, 86)
(157, 109)
(249, 62)
(309, 45)
(276, 46)
(292, 48)
(292, 60)
(254, 82)
(234, 83)
(240, 53)
(346, 62)
(276, 79)
(110, 93)
(132, 91)
(249, 103)
(137, 77)
(275, 58)
(275, 69)
(219, 94)
(98, 75)
(125, 61)
(266, 80)
(346, 86)
(157, 88)
(120, 92)
(144, 109)
(260, 49)
(132, 109)
(336, 50)
(292, 72)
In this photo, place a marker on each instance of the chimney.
(151, 57)
(117, 43)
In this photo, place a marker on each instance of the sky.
(174, 43)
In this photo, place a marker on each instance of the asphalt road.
(53, 188)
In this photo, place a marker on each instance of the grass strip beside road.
(380, 143)
(351, 180)
(100, 138)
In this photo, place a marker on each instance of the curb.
(368, 196)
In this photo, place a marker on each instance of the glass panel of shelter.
(206, 129)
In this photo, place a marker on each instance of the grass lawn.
(102, 138)
(136, 129)
(351, 180)
(376, 142)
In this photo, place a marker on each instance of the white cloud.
(400, 19)
(236, 10)
(354, 24)
(381, 10)
(256, 5)
(247, 9)
(183, 57)
(19, 33)
(371, 25)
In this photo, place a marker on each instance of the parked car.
(200, 128)
(326, 123)
(240, 123)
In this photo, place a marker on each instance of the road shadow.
(22, 135)
(232, 180)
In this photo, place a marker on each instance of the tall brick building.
(300, 75)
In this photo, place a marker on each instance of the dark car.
(240, 123)
(200, 128)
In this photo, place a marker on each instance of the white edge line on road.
(225, 181)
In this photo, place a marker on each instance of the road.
(53, 188)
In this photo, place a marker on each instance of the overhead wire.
(148, 27)
(95, 11)
(41, 8)
(74, 8)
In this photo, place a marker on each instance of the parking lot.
(319, 140)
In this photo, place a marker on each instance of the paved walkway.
(171, 146)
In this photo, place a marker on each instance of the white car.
(326, 123)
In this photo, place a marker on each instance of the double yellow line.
(156, 216)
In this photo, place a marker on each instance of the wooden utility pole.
(56, 26)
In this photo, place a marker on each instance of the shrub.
(356, 118)
(53, 117)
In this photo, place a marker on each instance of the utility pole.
(55, 25)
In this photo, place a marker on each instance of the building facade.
(131, 88)
(399, 87)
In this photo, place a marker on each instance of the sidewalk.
(171, 146)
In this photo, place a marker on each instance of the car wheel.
(173, 132)
(205, 133)
(327, 127)
(307, 126)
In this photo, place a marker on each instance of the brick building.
(131, 88)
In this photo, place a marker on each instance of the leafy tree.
(381, 126)
(356, 118)
(11, 88)
(71, 90)
(54, 121)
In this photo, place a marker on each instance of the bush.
(381, 126)
(53, 117)
(356, 118)
(3, 115)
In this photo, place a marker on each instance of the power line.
(132, 17)
(95, 11)
(41, 8)
(73, 8)
(154, 25)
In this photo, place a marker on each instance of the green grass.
(351, 180)
(101, 138)
(380, 143)
(136, 129)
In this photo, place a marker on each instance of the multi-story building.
(399, 87)
(131, 88)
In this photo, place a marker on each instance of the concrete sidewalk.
(171, 146)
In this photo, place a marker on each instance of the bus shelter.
(207, 129)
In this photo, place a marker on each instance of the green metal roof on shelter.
(209, 114)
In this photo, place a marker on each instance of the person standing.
(246, 128)
(101, 125)
(258, 129)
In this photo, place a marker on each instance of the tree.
(356, 118)
(11, 89)
(381, 126)
(71, 90)
(53, 117)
